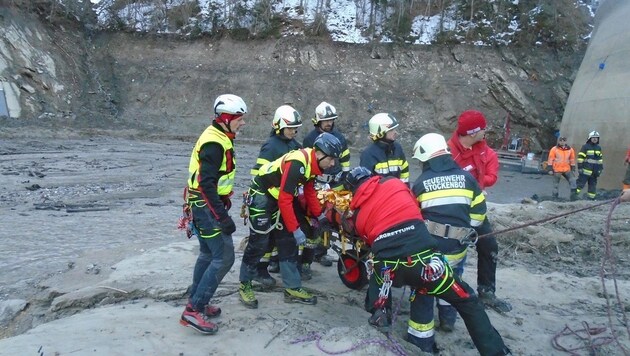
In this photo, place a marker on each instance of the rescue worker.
(452, 204)
(561, 163)
(271, 198)
(211, 171)
(386, 216)
(385, 157)
(284, 128)
(590, 165)
(469, 149)
(324, 121)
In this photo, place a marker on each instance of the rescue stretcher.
(352, 252)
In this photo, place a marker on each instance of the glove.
(433, 270)
(227, 202)
(299, 236)
(323, 225)
(323, 222)
(227, 226)
(550, 173)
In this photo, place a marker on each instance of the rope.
(608, 265)
(553, 217)
(390, 344)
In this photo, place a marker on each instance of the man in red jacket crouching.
(387, 217)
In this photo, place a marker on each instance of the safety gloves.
(299, 236)
(433, 270)
(323, 223)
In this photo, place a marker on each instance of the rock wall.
(169, 85)
(600, 96)
(154, 86)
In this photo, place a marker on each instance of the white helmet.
(380, 124)
(324, 111)
(286, 116)
(593, 134)
(429, 146)
(228, 104)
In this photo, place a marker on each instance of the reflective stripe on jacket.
(282, 178)
(449, 195)
(590, 159)
(386, 160)
(228, 164)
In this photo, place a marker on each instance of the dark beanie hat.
(470, 122)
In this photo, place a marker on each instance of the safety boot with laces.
(246, 295)
(489, 299)
(198, 321)
(299, 295)
(211, 311)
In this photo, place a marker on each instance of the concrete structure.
(600, 96)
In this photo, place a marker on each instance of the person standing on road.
(561, 163)
(285, 124)
(452, 205)
(211, 171)
(324, 121)
(386, 216)
(470, 151)
(590, 165)
(385, 157)
(271, 197)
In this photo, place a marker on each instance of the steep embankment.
(127, 84)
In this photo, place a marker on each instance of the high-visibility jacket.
(449, 195)
(212, 168)
(342, 164)
(282, 178)
(590, 159)
(480, 160)
(275, 147)
(386, 159)
(561, 159)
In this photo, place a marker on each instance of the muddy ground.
(73, 208)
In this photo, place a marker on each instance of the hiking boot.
(274, 267)
(264, 278)
(299, 295)
(446, 326)
(426, 344)
(381, 319)
(211, 311)
(489, 299)
(447, 315)
(246, 295)
(306, 272)
(198, 321)
(325, 261)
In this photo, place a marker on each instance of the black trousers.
(454, 291)
(487, 255)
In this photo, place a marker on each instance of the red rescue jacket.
(382, 205)
(480, 160)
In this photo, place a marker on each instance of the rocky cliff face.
(126, 84)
